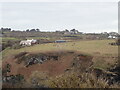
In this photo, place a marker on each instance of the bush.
(11, 44)
(38, 79)
(16, 46)
(75, 80)
(118, 40)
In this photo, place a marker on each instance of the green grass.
(96, 48)
(9, 38)
(38, 38)
(101, 51)
(90, 47)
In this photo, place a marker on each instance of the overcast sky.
(52, 16)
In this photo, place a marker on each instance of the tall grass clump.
(75, 80)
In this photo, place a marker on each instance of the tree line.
(9, 30)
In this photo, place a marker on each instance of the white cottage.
(112, 37)
(28, 42)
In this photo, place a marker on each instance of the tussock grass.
(75, 80)
(71, 80)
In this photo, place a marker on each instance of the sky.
(52, 16)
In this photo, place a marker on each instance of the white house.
(112, 37)
(28, 42)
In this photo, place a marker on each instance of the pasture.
(62, 61)
(104, 54)
(90, 47)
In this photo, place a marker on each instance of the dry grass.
(72, 80)
(91, 47)
(104, 54)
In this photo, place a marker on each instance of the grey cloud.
(87, 17)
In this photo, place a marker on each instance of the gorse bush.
(16, 46)
(38, 79)
(11, 44)
(75, 80)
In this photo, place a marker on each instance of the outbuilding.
(60, 41)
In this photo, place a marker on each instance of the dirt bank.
(54, 63)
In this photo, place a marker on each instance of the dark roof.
(60, 40)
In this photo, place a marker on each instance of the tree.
(5, 29)
(66, 30)
(32, 30)
(37, 30)
(74, 31)
(27, 30)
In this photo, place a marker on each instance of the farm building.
(60, 41)
(112, 37)
(28, 42)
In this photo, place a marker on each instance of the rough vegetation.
(63, 69)
(78, 80)
(85, 61)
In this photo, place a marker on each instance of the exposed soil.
(52, 66)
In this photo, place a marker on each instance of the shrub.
(16, 46)
(75, 80)
(38, 79)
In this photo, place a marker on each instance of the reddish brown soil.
(53, 67)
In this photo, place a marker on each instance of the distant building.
(28, 42)
(112, 37)
(67, 33)
(73, 31)
(113, 34)
(60, 41)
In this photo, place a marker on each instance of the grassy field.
(9, 38)
(104, 55)
(90, 47)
